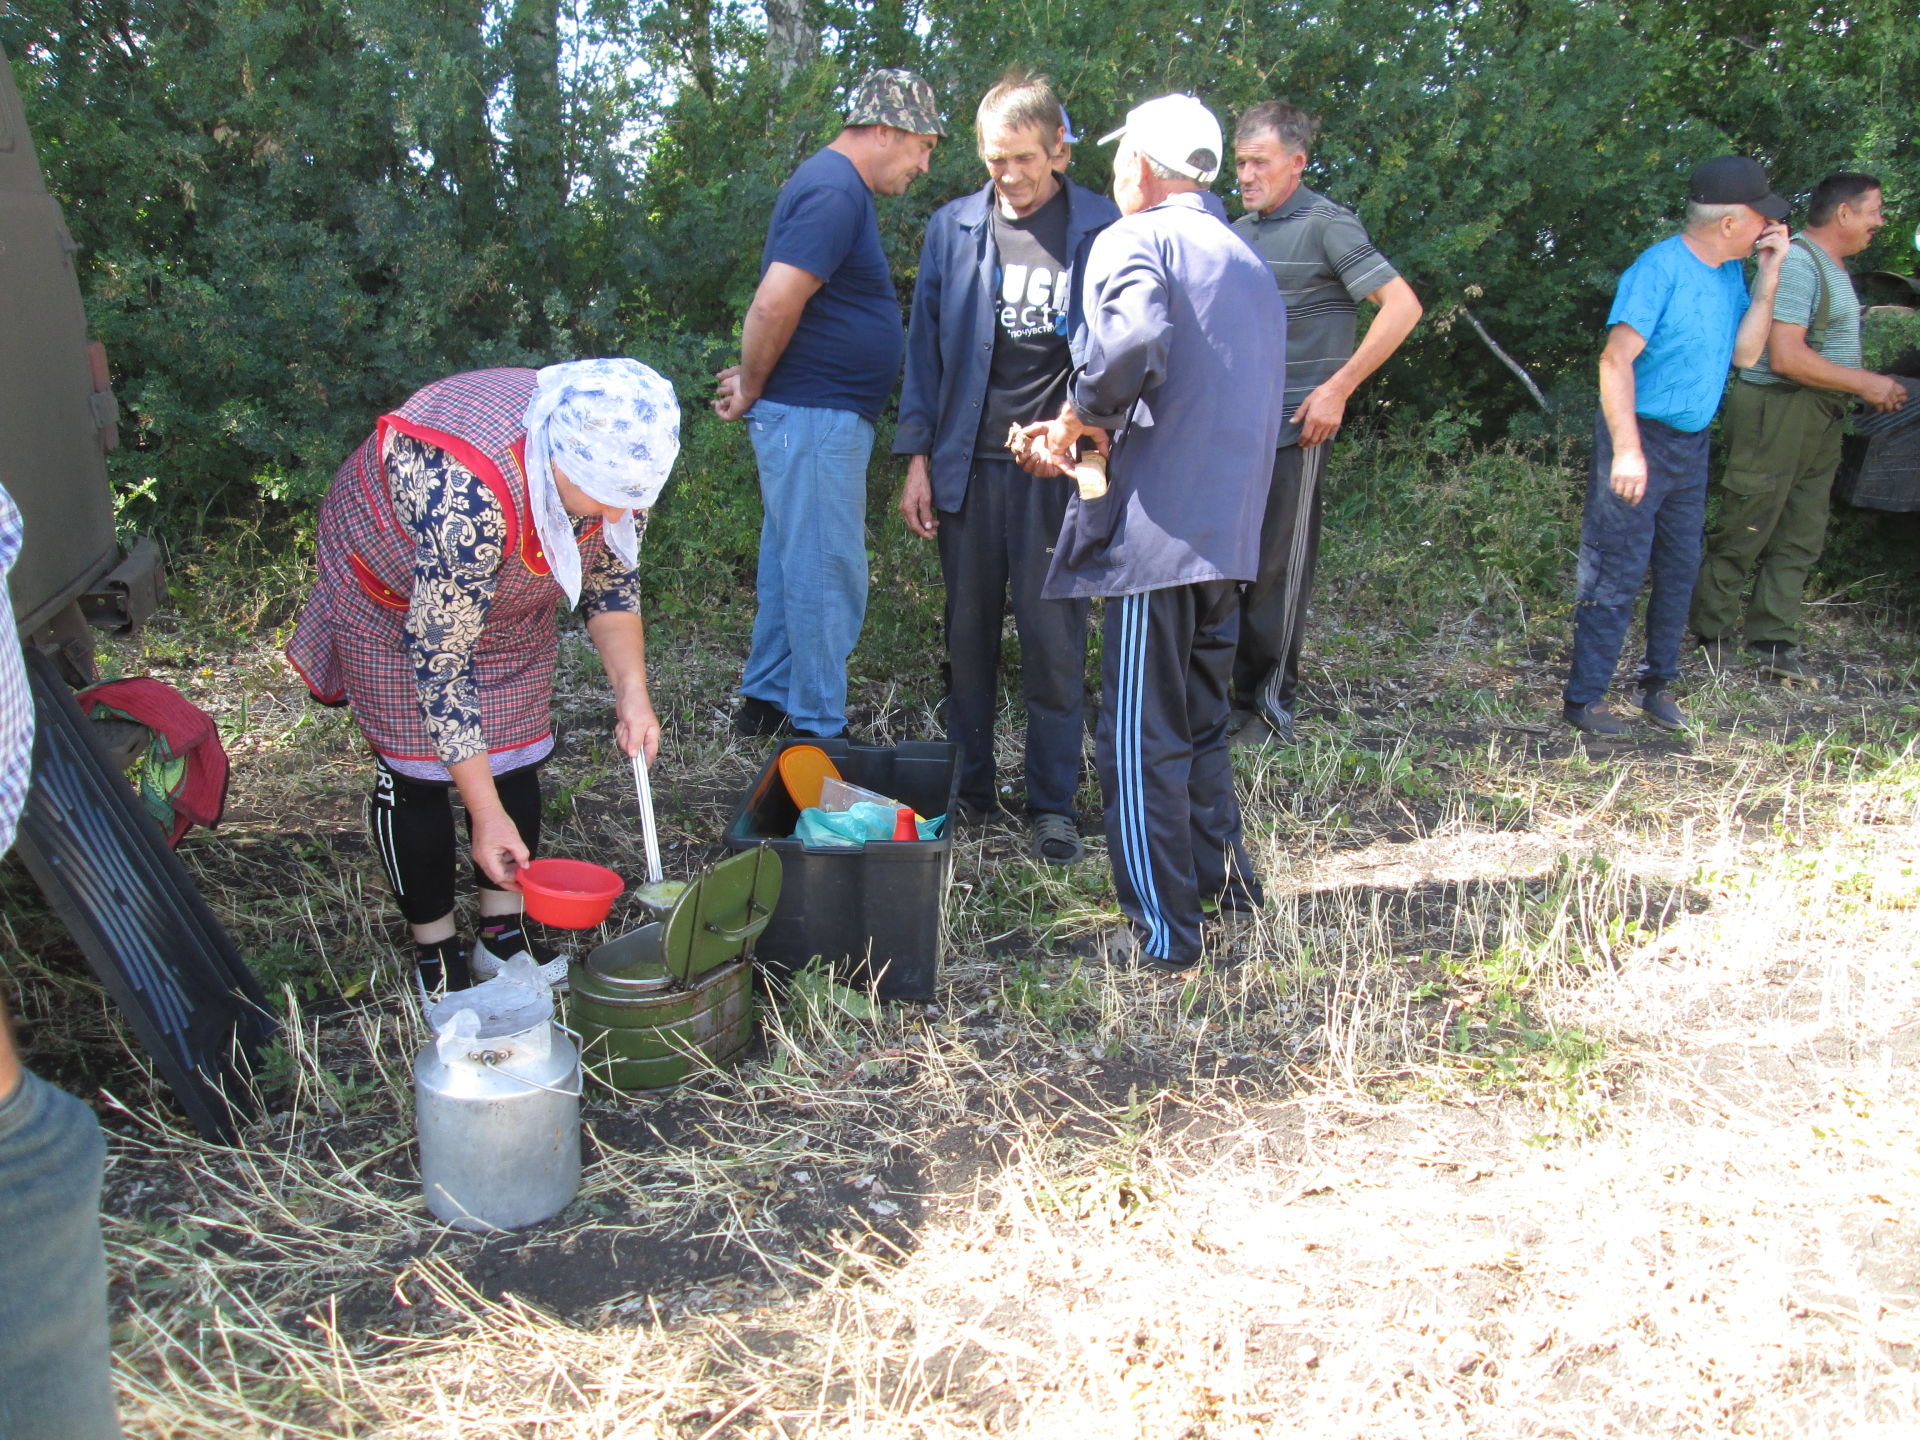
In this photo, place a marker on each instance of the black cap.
(1736, 180)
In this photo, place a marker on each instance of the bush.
(1421, 523)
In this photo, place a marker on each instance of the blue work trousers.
(1620, 544)
(812, 578)
(55, 1380)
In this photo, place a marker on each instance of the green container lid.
(714, 923)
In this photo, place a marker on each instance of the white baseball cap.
(1178, 132)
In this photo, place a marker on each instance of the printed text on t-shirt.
(1033, 300)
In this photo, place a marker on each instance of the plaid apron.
(350, 642)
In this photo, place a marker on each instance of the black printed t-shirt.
(1027, 379)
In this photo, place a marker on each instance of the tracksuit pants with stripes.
(412, 825)
(1166, 773)
(1273, 610)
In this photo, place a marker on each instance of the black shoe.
(1784, 664)
(1720, 655)
(1594, 719)
(1240, 898)
(1123, 947)
(756, 717)
(966, 812)
(1659, 706)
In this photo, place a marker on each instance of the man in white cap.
(1180, 358)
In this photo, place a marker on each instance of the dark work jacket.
(950, 334)
(1180, 349)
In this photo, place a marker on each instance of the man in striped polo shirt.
(1784, 419)
(1325, 265)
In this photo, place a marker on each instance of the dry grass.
(1556, 1093)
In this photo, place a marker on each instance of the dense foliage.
(294, 212)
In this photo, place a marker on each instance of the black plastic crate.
(877, 912)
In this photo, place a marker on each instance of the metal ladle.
(649, 836)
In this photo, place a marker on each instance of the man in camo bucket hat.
(820, 352)
(898, 98)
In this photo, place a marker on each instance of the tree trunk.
(792, 41)
(464, 144)
(536, 145)
(697, 25)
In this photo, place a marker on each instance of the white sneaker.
(552, 965)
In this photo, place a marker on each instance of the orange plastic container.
(570, 894)
(805, 768)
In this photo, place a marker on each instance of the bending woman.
(445, 543)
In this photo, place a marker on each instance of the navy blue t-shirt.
(846, 351)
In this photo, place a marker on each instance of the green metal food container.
(652, 1003)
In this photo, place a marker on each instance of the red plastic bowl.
(570, 894)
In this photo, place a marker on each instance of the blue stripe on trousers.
(1131, 773)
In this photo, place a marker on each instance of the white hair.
(1702, 216)
(1154, 167)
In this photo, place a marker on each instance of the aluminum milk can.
(497, 1102)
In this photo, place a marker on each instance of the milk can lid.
(515, 1000)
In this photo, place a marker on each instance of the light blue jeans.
(55, 1382)
(812, 580)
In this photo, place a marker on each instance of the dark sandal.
(1056, 840)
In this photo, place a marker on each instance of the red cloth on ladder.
(187, 732)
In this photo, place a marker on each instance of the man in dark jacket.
(1181, 355)
(986, 350)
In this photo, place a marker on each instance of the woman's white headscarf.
(613, 426)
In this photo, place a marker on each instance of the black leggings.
(412, 825)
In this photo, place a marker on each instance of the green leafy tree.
(293, 213)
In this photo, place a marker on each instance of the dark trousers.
(1783, 446)
(412, 826)
(55, 1381)
(997, 545)
(1166, 773)
(1621, 544)
(1273, 609)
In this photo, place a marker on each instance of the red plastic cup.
(569, 894)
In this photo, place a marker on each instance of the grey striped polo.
(1815, 291)
(1325, 264)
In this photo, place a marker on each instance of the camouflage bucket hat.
(898, 98)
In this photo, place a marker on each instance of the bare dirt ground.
(1560, 1090)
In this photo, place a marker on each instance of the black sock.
(504, 936)
(443, 965)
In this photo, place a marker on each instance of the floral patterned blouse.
(460, 535)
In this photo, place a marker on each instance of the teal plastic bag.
(851, 828)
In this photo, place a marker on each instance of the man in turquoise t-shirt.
(1680, 316)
